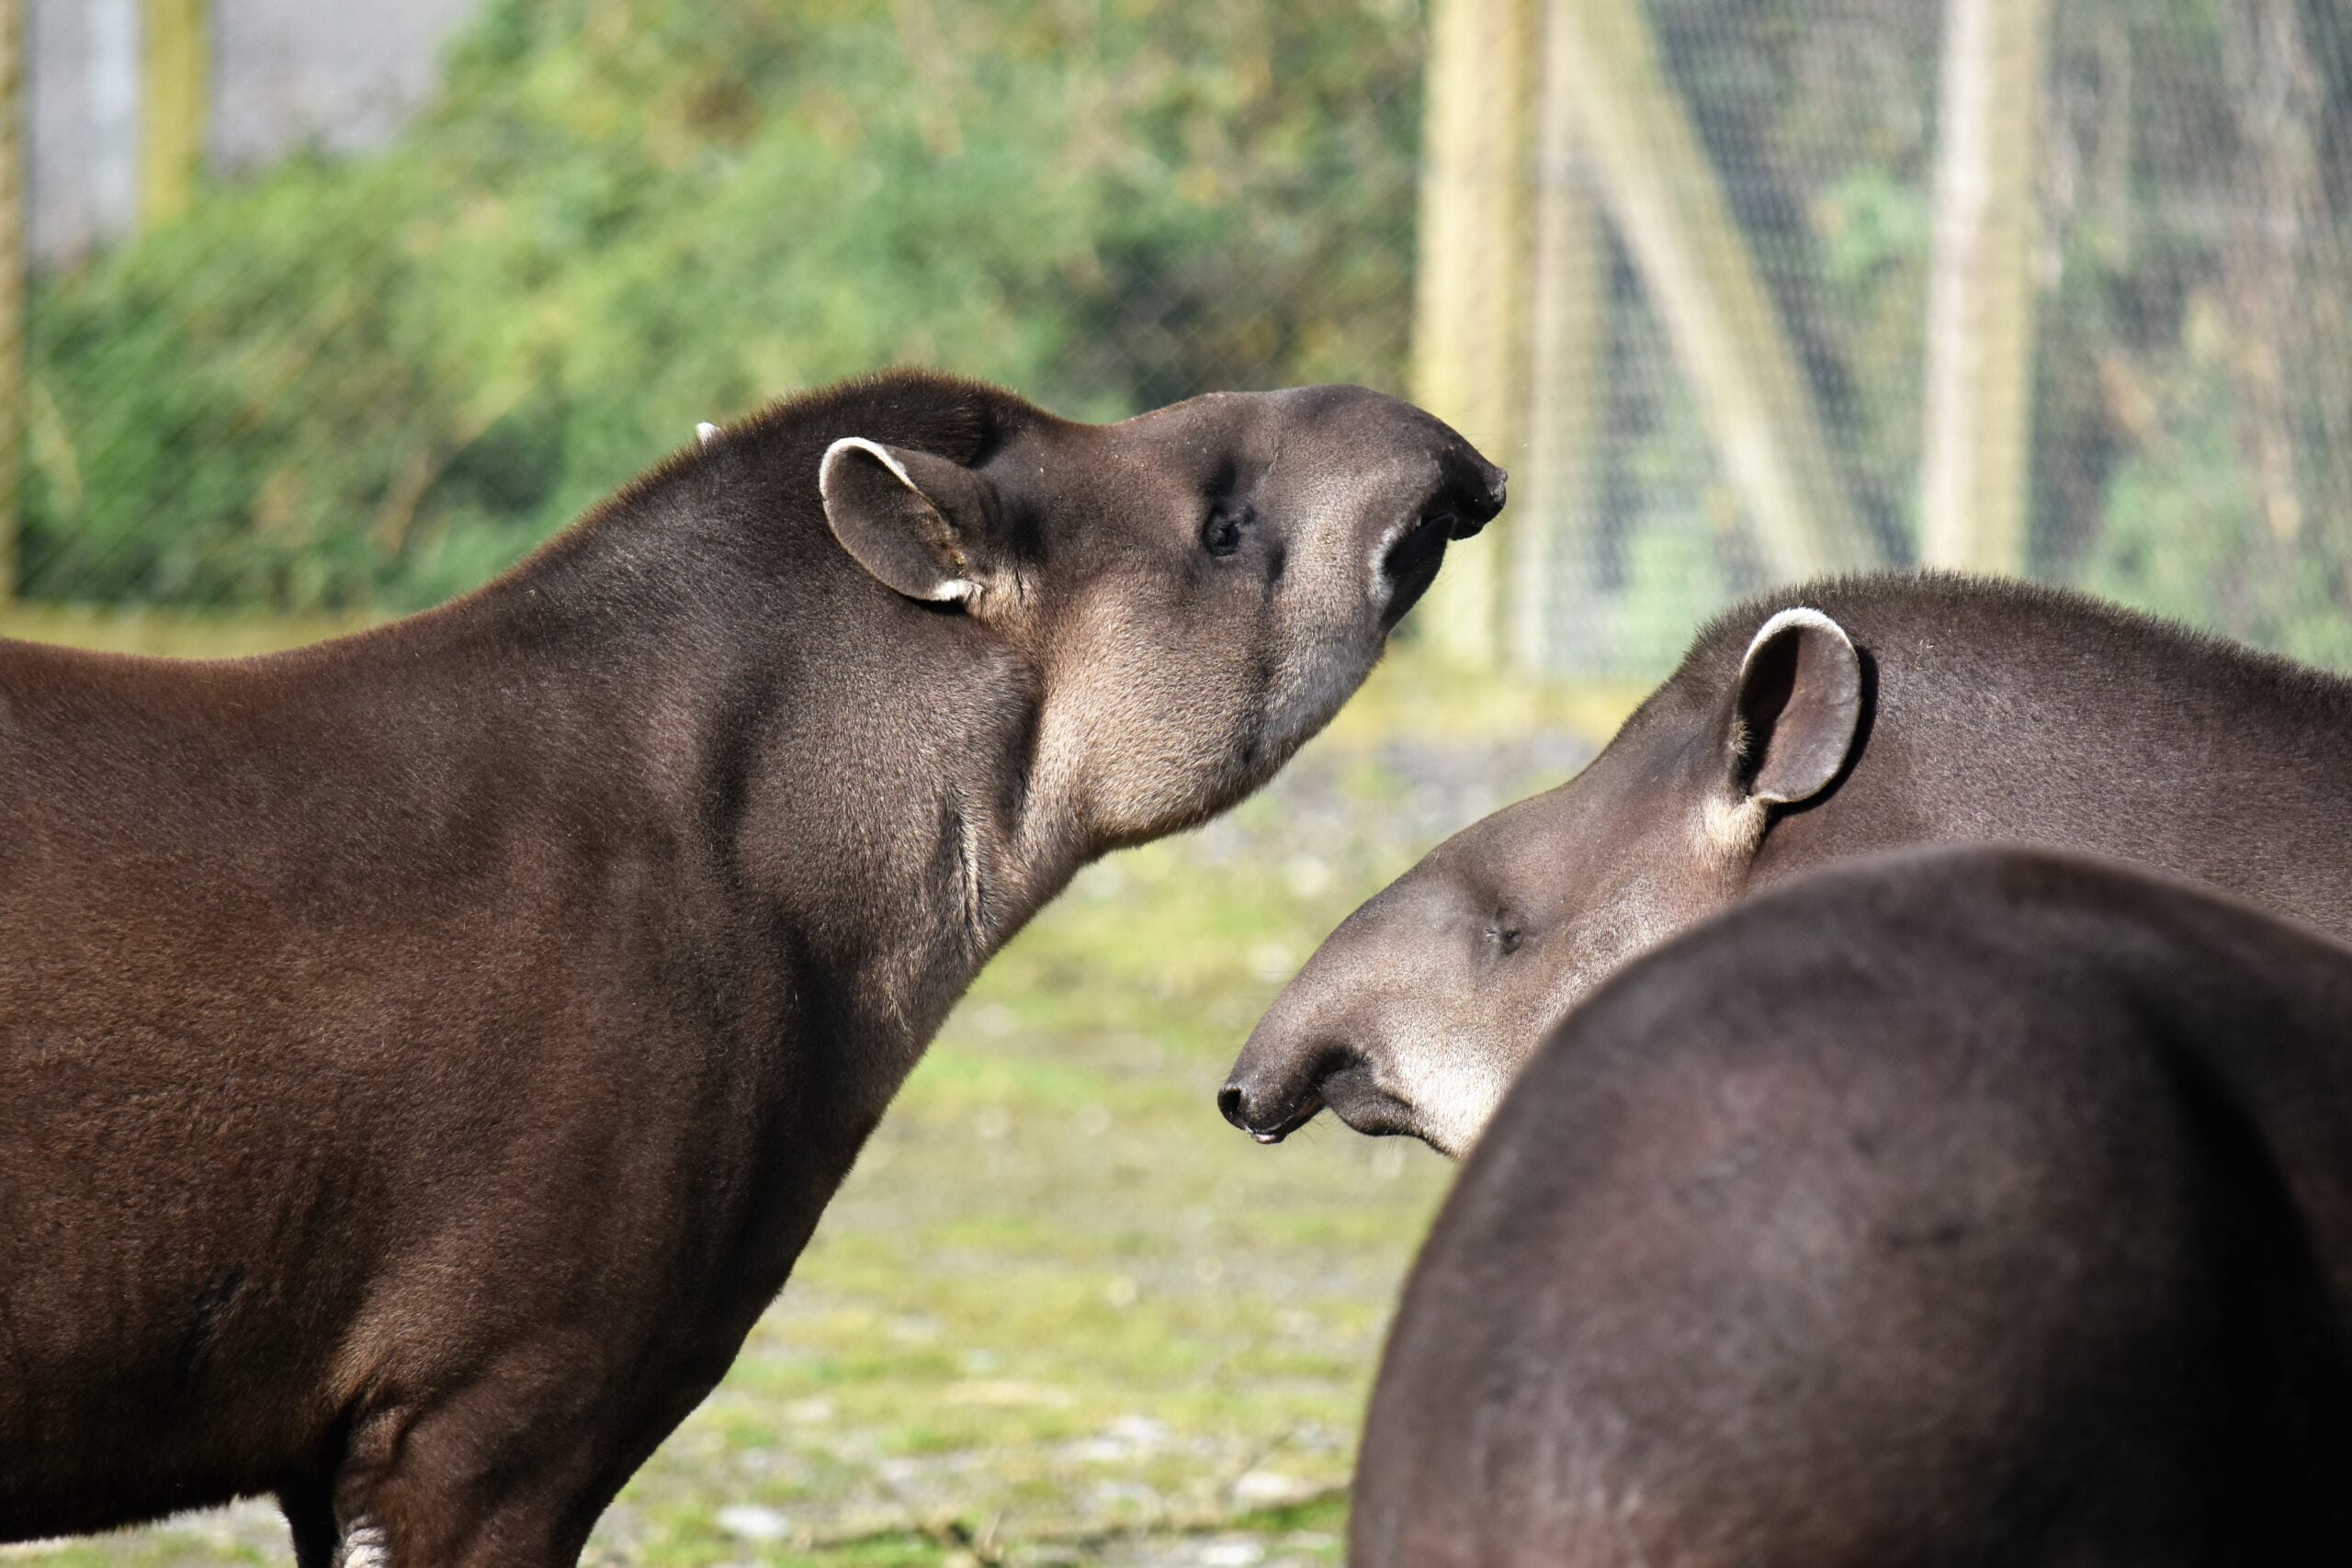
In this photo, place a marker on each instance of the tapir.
(1803, 726)
(424, 1055)
(1953, 1208)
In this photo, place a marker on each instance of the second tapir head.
(1417, 1012)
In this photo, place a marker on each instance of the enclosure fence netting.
(1723, 284)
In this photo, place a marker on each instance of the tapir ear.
(919, 522)
(1798, 703)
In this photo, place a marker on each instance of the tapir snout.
(1376, 1055)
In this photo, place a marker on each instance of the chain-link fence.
(2179, 400)
(1706, 276)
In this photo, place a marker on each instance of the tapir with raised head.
(422, 1055)
(1805, 726)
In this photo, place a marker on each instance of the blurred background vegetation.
(361, 382)
(371, 382)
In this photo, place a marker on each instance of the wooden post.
(13, 226)
(1976, 446)
(1470, 282)
(174, 105)
(1695, 267)
(1552, 614)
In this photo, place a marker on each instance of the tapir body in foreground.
(1951, 1209)
(1803, 727)
(422, 1055)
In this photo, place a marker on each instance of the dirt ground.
(1061, 1314)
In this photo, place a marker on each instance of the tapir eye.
(1506, 938)
(1221, 534)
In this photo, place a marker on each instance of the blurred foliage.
(371, 383)
(378, 381)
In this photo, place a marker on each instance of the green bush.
(378, 381)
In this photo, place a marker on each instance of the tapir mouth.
(1305, 1110)
(1353, 1094)
(1349, 1091)
(1233, 1101)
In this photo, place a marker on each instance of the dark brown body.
(1808, 725)
(422, 1055)
(1956, 1208)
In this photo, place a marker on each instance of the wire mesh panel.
(371, 380)
(2181, 391)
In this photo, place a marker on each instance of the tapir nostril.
(1229, 1102)
(1486, 489)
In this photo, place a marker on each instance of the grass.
(1061, 1313)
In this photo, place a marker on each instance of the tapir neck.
(834, 780)
(864, 771)
(2198, 759)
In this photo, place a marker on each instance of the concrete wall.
(341, 74)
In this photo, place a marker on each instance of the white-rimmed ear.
(917, 521)
(704, 431)
(1795, 708)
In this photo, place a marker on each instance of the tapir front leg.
(310, 1516)
(510, 1467)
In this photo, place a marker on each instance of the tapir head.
(1417, 1014)
(1197, 589)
